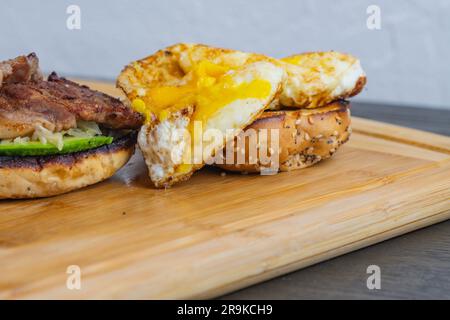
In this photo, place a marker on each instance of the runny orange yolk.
(209, 88)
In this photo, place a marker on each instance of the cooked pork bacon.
(27, 101)
(20, 69)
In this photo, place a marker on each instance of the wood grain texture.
(214, 234)
(413, 265)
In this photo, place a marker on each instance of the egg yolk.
(209, 88)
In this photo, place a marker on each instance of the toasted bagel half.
(45, 176)
(306, 136)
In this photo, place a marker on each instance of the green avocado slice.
(36, 148)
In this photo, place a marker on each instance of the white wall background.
(407, 61)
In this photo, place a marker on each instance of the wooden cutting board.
(215, 234)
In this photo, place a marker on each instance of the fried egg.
(180, 111)
(318, 78)
(190, 86)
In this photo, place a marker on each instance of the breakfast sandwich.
(57, 136)
(313, 79)
(181, 103)
(189, 91)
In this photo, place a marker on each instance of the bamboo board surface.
(214, 234)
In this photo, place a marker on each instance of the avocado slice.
(36, 148)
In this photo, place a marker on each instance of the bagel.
(45, 176)
(306, 136)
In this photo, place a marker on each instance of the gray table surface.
(413, 266)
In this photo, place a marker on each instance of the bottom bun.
(306, 136)
(44, 176)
